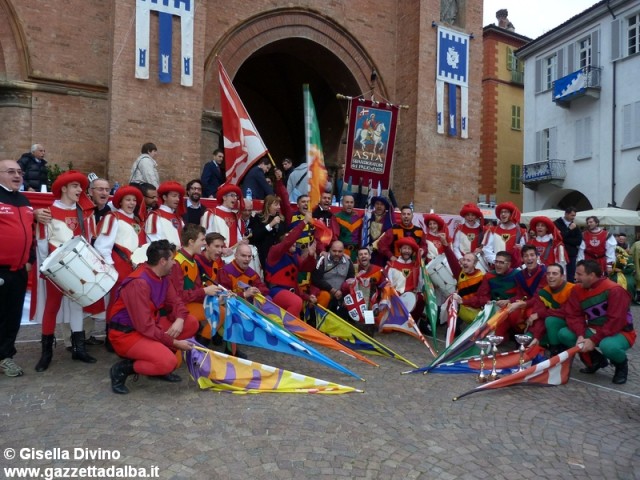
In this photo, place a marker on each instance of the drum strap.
(121, 254)
(81, 220)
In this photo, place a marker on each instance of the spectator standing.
(34, 168)
(213, 174)
(145, 168)
(256, 181)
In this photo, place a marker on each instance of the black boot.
(47, 353)
(594, 361)
(79, 348)
(119, 373)
(622, 370)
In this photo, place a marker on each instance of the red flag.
(555, 371)
(243, 146)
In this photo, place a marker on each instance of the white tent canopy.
(550, 213)
(610, 216)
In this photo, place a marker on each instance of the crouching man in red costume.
(146, 340)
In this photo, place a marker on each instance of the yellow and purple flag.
(224, 373)
(315, 158)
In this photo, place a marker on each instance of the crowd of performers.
(341, 260)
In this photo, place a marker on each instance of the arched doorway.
(562, 199)
(270, 85)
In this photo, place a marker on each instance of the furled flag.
(453, 70)
(303, 330)
(246, 325)
(464, 346)
(431, 304)
(224, 373)
(334, 326)
(243, 146)
(506, 362)
(394, 316)
(451, 307)
(555, 371)
(315, 158)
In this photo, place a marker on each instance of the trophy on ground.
(523, 340)
(494, 340)
(482, 344)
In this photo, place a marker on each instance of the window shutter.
(595, 49)
(586, 135)
(538, 76)
(509, 58)
(615, 40)
(579, 139)
(559, 64)
(627, 136)
(553, 143)
(539, 146)
(570, 59)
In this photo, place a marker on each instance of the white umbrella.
(551, 213)
(610, 216)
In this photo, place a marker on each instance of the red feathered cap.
(123, 192)
(436, 218)
(471, 208)
(226, 189)
(172, 186)
(65, 178)
(408, 241)
(551, 227)
(515, 212)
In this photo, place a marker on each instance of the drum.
(78, 270)
(409, 299)
(441, 275)
(139, 255)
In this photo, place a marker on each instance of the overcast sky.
(532, 18)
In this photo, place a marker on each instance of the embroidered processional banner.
(370, 140)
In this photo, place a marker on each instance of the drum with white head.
(441, 275)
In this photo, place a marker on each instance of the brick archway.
(237, 45)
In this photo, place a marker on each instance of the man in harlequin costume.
(166, 222)
(139, 330)
(546, 318)
(369, 278)
(469, 279)
(283, 263)
(347, 225)
(598, 315)
(529, 281)
(71, 215)
(187, 281)
(404, 272)
(210, 259)
(467, 237)
(388, 244)
(380, 221)
(507, 236)
(223, 219)
(599, 245)
(433, 236)
(548, 241)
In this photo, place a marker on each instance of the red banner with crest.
(370, 140)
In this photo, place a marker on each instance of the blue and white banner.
(184, 9)
(453, 70)
(570, 86)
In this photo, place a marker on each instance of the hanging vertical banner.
(452, 70)
(184, 9)
(371, 137)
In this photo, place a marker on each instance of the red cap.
(123, 192)
(172, 186)
(471, 208)
(436, 218)
(225, 190)
(65, 178)
(408, 241)
(515, 212)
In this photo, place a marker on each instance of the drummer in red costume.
(224, 217)
(71, 215)
(146, 340)
(389, 246)
(548, 242)
(433, 239)
(166, 222)
(506, 236)
(468, 235)
(283, 264)
(599, 245)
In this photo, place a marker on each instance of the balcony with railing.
(581, 83)
(550, 171)
(517, 77)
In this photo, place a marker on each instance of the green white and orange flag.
(315, 158)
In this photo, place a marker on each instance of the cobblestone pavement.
(402, 427)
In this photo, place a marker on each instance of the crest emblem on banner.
(452, 70)
(183, 9)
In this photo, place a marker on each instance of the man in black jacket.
(34, 167)
(572, 238)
